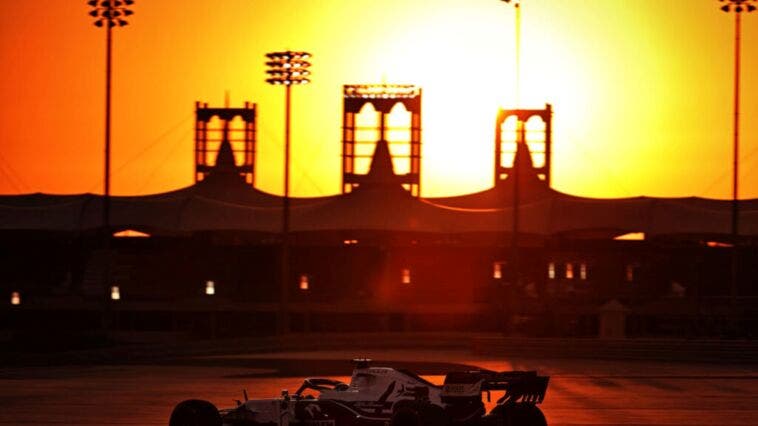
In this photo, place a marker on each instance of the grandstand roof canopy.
(223, 201)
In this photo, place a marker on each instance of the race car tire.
(195, 412)
(419, 415)
(537, 418)
(518, 414)
(433, 415)
(406, 416)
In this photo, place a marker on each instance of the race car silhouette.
(384, 396)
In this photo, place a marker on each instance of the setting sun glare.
(641, 91)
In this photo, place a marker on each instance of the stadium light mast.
(520, 138)
(286, 69)
(738, 7)
(109, 14)
(517, 65)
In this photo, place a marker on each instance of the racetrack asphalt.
(581, 392)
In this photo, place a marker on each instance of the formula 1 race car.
(382, 396)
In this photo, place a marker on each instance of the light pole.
(736, 6)
(286, 69)
(517, 6)
(515, 170)
(108, 14)
(520, 138)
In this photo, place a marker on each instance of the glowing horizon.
(642, 93)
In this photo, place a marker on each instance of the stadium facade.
(520, 257)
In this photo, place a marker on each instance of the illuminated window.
(15, 298)
(718, 244)
(349, 242)
(583, 271)
(551, 270)
(629, 273)
(210, 288)
(115, 293)
(569, 271)
(497, 270)
(632, 236)
(405, 276)
(304, 282)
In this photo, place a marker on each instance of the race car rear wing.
(519, 386)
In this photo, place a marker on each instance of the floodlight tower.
(517, 7)
(383, 97)
(736, 6)
(520, 138)
(208, 145)
(286, 69)
(109, 14)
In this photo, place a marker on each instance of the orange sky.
(642, 90)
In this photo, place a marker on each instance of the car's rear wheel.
(195, 412)
(518, 414)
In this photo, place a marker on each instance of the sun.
(464, 61)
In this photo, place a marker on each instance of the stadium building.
(213, 259)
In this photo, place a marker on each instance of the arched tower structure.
(384, 98)
(531, 126)
(230, 128)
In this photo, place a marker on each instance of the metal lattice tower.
(539, 140)
(383, 97)
(208, 138)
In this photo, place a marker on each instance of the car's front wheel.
(195, 412)
(423, 414)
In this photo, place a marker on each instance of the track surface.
(581, 392)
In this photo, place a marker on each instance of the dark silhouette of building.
(377, 257)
